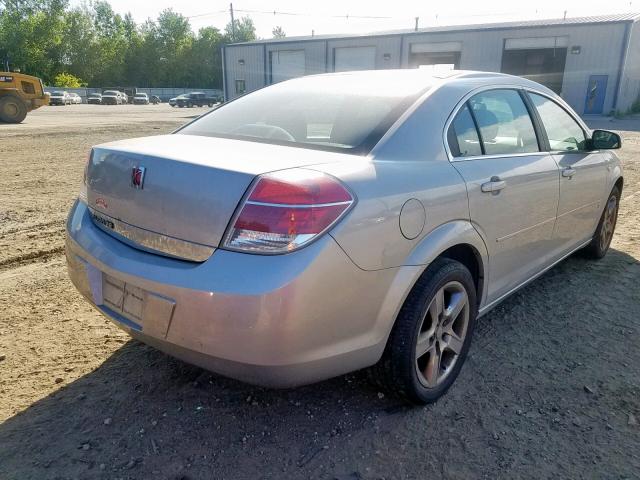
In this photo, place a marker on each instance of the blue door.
(596, 91)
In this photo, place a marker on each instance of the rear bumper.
(276, 321)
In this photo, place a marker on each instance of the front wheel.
(12, 109)
(603, 235)
(432, 334)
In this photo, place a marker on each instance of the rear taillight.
(286, 210)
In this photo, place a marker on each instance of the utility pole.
(417, 18)
(233, 23)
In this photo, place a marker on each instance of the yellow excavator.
(19, 94)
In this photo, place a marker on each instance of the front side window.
(563, 132)
(463, 136)
(504, 123)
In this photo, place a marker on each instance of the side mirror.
(605, 140)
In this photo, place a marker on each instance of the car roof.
(395, 78)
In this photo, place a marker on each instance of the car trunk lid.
(187, 187)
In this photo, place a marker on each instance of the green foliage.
(635, 106)
(49, 39)
(278, 32)
(244, 31)
(66, 80)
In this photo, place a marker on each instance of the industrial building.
(592, 62)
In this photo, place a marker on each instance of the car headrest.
(488, 124)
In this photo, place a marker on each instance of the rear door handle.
(568, 172)
(493, 186)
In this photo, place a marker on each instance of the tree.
(245, 31)
(278, 32)
(90, 41)
(31, 35)
(205, 61)
(66, 80)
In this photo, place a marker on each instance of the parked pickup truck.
(195, 99)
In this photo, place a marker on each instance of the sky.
(348, 16)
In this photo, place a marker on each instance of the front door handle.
(493, 186)
(568, 172)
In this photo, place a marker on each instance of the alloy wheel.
(442, 334)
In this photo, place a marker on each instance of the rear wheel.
(12, 109)
(601, 239)
(432, 334)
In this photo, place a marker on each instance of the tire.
(12, 109)
(400, 371)
(603, 235)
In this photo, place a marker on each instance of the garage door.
(541, 59)
(286, 64)
(354, 58)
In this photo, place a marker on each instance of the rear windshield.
(110, 92)
(58, 94)
(337, 112)
(141, 95)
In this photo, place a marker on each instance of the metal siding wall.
(630, 85)
(600, 45)
(384, 45)
(600, 49)
(252, 72)
(600, 54)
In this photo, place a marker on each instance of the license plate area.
(124, 298)
(132, 306)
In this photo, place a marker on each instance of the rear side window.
(564, 133)
(504, 123)
(463, 136)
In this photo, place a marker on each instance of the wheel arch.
(619, 183)
(458, 240)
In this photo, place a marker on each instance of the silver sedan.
(341, 221)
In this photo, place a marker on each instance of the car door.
(512, 185)
(583, 173)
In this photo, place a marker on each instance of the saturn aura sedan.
(335, 222)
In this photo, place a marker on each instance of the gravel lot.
(551, 388)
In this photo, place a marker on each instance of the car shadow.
(143, 414)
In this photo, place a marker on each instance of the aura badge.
(137, 177)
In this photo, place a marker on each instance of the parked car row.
(64, 98)
(116, 97)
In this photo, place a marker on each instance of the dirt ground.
(551, 388)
